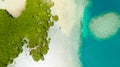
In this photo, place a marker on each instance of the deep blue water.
(94, 52)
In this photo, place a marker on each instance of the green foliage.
(36, 56)
(55, 18)
(51, 23)
(33, 23)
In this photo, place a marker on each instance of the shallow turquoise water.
(99, 53)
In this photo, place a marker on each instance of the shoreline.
(65, 43)
(16, 9)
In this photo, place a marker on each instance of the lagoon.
(97, 52)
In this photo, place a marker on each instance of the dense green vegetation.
(33, 24)
(55, 18)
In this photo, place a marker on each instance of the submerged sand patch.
(105, 26)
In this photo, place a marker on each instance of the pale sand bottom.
(105, 26)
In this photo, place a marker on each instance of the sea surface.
(99, 52)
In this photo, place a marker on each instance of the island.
(33, 24)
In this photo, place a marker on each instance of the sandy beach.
(65, 42)
(13, 7)
(60, 54)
